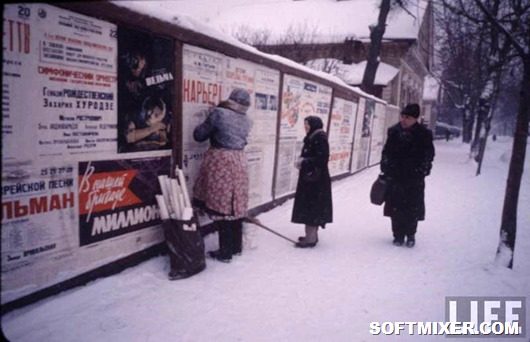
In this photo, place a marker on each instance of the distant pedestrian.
(313, 203)
(221, 188)
(406, 161)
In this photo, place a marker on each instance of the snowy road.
(275, 292)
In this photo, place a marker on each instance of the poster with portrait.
(342, 124)
(146, 91)
(300, 99)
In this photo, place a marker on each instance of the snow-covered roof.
(328, 20)
(157, 9)
(353, 73)
(430, 89)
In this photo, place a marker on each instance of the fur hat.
(412, 109)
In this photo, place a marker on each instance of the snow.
(330, 20)
(275, 292)
(430, 89)
(353, 73)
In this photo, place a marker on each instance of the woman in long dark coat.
(312, 203)
(406, 161)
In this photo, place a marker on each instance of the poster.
(118, 196)
(38, 212)
(356, 154)
(300, 99)
(209, 77)
(146, 88)
(201, 90)
(366, 134)
(263, 85)
(58, 83)
(378, 133)
(342, 124)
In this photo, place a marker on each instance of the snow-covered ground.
(275, 292)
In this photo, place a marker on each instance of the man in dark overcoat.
(406, 161)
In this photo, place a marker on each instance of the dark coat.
(312, 202)
(406, 160)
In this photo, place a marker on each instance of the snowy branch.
(508, 34)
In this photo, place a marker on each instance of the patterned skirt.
(221, 188)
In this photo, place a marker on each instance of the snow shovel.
(261, 225)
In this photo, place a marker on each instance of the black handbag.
(378, 190)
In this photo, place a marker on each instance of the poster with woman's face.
(145, 91)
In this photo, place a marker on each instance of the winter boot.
(398, 241)
(176, 275)
(310, 239)
(411, 241)
(237, 242)
(224, 253)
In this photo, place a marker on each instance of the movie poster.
(118, 196)
(146, 91)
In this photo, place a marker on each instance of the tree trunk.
(482, 143)
(515, 173)
(376, 36)
(467, 126)
(482, 113)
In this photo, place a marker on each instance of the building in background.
(334, 37)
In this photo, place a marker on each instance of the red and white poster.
(118, 196)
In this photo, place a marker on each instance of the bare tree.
(513, 23)
(376, 37)
(298, 42)
(500, 32)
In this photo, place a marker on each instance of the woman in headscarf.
(221, 188)
(312, 203)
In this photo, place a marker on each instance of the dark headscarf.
(314, 123)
